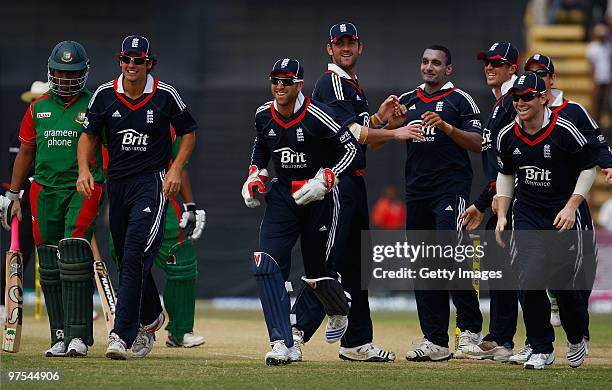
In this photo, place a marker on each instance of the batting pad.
(52, 289)
(273, 295)
(331, 294)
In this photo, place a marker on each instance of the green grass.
(236, 343)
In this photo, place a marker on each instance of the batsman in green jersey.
(62, 219)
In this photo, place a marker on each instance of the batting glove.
(192, 220)
(12, 208)
(255, 180)
(316, 188)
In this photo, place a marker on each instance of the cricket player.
(339, 88)
(62, 219)
(310, 152)
(134, 113)
(438, 182)
(546, 171)
(501, 63)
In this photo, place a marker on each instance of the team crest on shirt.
(67, 56)
(149, 116)
(299, 133)
(547, 151)
(439, 106)
(80, 118)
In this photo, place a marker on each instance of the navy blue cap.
(542, 61)
(528, 82)
(501, 50)
(136, 44)
(340, 30)
(288, 67)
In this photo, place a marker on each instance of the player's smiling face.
(344, 52)
(549, 80)
(531, 109)
(498, 72)
(434, 69)
(133, 72)
(285, 94)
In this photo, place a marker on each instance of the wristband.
(190, 206)
(12, 195)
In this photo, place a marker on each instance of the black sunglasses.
(137, 60)
(526, 97)
(541, 73)
(286, 82)
(496, 63)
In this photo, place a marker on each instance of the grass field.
(236, 344)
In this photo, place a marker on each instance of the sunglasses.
(285, 81)
(541, 73)
(526, 97)
(496, 63)
(137, 60)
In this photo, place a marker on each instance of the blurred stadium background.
(218, 55)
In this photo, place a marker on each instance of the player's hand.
(255, 181)
(413, 132)
(13, 207)
(608, 172)
(85, 183)
(433, 119)
(472, 217)
(172, 182)
(499, 229)
(316, 188)
(387, 108)
(565, 219)
(192, 220)
(398, 118)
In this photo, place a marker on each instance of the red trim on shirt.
(353, 83)
(542, 137)
(556, 110)
(425, 99)
(287, 125)
(136, 106)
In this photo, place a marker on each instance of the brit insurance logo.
(536, 176)
(429, 132)
(290, 159)
(133, 141)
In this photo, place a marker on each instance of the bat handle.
(15, 234)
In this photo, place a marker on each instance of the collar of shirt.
(507, 85)
(299, 102)
(448, 85)
(339, 71)
(557, 96)
(545, 122)
(148, 86)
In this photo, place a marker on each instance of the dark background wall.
(218, 55)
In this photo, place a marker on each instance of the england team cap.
(501, 50)
(288, 67)
(136, 44)
(340, 30)
(528, 82)
(542, 61)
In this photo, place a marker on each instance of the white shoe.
(190, 340)
(58, 349)
(278, 355)
(467, 338)
(576, 353)
(427, 351)
(143, 344)
(555, 319)
(488, 350)
(369, 352)
(117, 349)
(586, 346)
(521, 356)
(76, 348)
(295, 352)
(336, 328)
(538, 361)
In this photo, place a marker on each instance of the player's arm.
(258, 174)
(85, 148)
(172, 181)
(505, 191)
(596, 140)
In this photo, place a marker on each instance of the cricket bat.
(105, 288)
(13, 293)
(38, 289)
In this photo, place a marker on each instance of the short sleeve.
(27, 131)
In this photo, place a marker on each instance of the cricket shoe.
(143, 344)
(279, 355)
(576, 353)
(117, 349)
(488, 350)
(537, 361)
(295, 352)
(521, 356)
(555, 319)
(466, 338)
(336, 328)
(58, 349)
(76, 348)
(369, 352)
(190, 340)
(427, 351)
(586, 346)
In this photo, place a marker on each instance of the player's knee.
(75, 260)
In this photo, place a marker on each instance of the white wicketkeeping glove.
(316, 188)
(192, 220)
(10, 206)
(255, 181)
